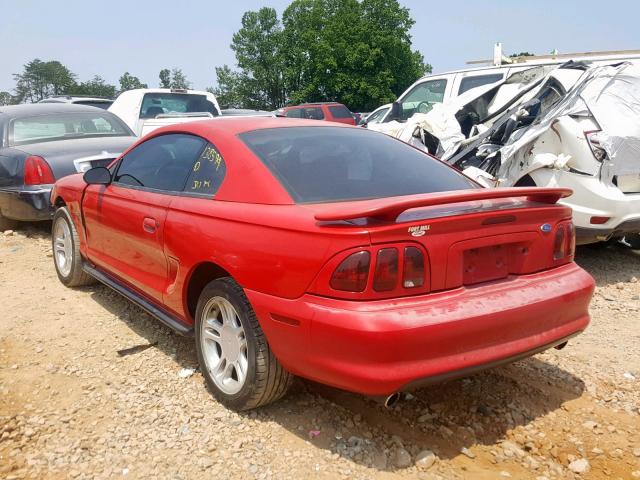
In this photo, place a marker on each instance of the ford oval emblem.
(545, 227)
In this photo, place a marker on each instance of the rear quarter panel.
(68, 190)
(272, 249)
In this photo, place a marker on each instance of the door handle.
(150, 225)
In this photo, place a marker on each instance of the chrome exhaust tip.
(560, 346)
(391, 400)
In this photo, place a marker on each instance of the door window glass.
(294, 113)
(313, 113)
(377, 116)
(207, 173)
(423, 97)
(340, 111)
(160, 163)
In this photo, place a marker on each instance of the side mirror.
(396, 111)
(97, 176)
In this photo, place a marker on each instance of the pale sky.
(142, 37)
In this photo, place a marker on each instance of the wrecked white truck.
(576, 126)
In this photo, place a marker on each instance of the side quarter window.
(160, 163)
(207, 173)
(475, 81)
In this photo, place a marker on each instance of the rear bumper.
(592, 198)
(380, 347)
(592, 235)
(29, 205)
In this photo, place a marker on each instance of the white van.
(439, 88)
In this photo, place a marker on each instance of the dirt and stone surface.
(72, 407)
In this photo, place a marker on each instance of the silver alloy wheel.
(224, 345)
(62, 247)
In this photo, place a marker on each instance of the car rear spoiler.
(389, 208)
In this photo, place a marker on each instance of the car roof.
(43, 108)
(313, 104)
(236, 125)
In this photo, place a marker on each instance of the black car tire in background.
(73, 276)
(633, 240)
(6, 223)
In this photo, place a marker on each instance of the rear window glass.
(477, 81)
(154, 104)
(328, 164)
(340, 111)
(60, 126)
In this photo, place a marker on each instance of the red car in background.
(329, 111)
(342, 255)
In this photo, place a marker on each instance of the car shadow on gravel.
(609, 262)
(38, 230)
(444, 418)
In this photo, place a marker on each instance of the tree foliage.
(96, 87)
(173, 79)
(6, 99)
(41, 80)
(130, 82)
(356, 52)
(522, 54)
(228, 92)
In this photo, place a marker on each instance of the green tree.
(179, 79)
(6, 99)
(522, 54)
(42, 79)
(130, 82)
(96, 87)
(354, 51)
(258, 47)
(357, 52)
(173, 79)
(165, 78)
(229, 90)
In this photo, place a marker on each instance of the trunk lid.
(470, 237)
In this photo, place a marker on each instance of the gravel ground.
(72, 407)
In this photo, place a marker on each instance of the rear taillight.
(571, 240)
(352, 273)
(564, 243)
(594, 143)
(376, 272)
(559, 243)
(413, 274)
(37, 171)
(385, 277)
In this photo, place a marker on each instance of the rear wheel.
(66, 251)
(235, 358)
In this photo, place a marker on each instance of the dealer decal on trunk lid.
(419, 230)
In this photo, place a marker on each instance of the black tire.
(633, 240)
(6, 223)
(75, 277)
(266, 381)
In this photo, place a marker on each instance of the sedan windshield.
(329, 164)
(60, 126)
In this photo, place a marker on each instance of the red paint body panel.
(379, 347)
(326, 111)
(492, 289)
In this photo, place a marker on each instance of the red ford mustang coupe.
(290, 247)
